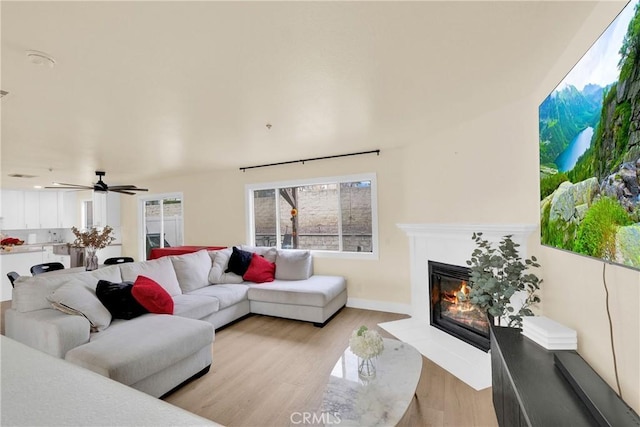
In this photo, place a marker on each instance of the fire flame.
(464, 289)
(460, 306)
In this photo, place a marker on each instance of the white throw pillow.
(192, 270)
(268, 252)
(161, 270)
(294, 265)
(111, 274)
(74, 297)
(31, 292)
(220, 261)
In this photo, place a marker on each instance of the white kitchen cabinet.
(106, 209)
(20, 263)
(48, 209)
(31, 209)
(12, 210)
(40, 209)
(113, 210)
(68, 209)
(99, 209)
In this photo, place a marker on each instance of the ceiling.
(142, 89)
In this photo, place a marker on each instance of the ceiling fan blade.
(59, 184)
(122, 192)
(121, 187)
(74, 187)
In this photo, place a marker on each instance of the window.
(162, 224)
(329, 215)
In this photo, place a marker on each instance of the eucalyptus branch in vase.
(496, 275)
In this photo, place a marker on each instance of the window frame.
(371, 177)
(142, 232)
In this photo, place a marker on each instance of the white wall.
(482, 171)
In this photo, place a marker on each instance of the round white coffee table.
(381, 401)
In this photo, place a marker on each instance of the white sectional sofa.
(156, 353)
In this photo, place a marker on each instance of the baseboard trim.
(390, 307)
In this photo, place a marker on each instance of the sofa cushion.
(194, 307)
(227, 295)
(152, 296)
(220, 260)
(269, 252)
(76, 298)
(239, 261)
(316, 291)
(31, 292)
(192, 270)
(260, 270)
(294, 265)
(156, 342)
(117, 298)
(111, 273)
(161, 270)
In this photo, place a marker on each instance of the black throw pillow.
(239, 261)
(118, 299)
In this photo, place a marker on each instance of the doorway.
(162, 222)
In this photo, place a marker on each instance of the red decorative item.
(152, 296)
(11, 241)
(260, 270)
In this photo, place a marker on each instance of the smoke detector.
(40, 58)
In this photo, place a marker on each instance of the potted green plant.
(496, 275)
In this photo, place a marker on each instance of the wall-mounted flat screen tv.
(590, 150)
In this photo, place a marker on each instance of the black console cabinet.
(528, 389)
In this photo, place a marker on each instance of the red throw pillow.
(260, 270)
(152, 296)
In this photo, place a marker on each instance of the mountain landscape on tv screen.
(590, 154)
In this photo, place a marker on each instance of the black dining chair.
(12, 275)
(46, 267)
(117, 260)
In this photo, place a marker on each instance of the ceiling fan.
(101, 186)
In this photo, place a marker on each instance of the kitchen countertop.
(36, 247)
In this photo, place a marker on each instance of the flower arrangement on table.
(93, 238)
(366, 344)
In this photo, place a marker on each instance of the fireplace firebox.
(451, 315)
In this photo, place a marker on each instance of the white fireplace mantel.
(451, 244)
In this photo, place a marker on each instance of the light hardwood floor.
(265, 369)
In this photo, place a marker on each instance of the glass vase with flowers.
(92, 240)
(367, 344)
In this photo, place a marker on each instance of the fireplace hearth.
(448, 312)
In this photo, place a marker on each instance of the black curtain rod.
(311, 159)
